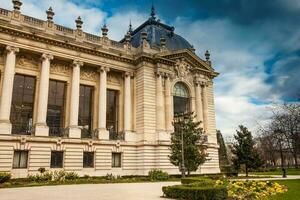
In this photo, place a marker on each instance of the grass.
(293, 192)
(290, 171)
(24, 182)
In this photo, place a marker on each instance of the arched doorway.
(181, 98)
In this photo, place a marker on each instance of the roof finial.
(130, 27)
(152, 11)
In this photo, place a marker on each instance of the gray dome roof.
(156, 30)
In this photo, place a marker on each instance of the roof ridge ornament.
(130, 27)
(152, 12)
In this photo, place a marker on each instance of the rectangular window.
(56, 107)
(116, 159)
(88, 159)
(85, 110)
(22, 104)
(112, 113)
(20, 159)
(57, 158)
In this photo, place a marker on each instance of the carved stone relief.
(182, 68)
(114, 78)
(60, 68)
(88, 73)
(28, 62)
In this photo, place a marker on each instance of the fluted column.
(205, 107)
(168, 103)
(199, 108)
(7, 89)
(74, 130)
(159, 103)
(103, 133)
(41, 128)
(127, 102)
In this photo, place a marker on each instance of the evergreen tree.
(188, 130)
(223, 157)
(244, 150)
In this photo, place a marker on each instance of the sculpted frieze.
(88, 73)
(113, 78)
(182, 68)
(60, 68)
(27, 61)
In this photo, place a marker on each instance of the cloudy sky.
(254, 44)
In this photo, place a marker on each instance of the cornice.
(69, 43)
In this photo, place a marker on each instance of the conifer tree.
(244, 150)
(188, 133)
(223, 157)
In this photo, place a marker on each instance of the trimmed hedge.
(190, 180)
(4, 177)
(190, 192)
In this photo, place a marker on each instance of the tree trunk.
(296, 160)
(246, 170)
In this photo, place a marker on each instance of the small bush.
(4, 177)
(42, 170)
(71, 176)
(59, 175)
(190, 192)
(158, 175)
(86, 176)
(190, 180)
(47, 176)
(110, 177)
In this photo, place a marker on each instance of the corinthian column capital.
(77, 63)
(47, 57)
(104, 69)
(12, 49)
(130, 74)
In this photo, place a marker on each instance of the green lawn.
(293, 192)
(278, 172)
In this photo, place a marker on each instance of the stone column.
(127, 103)
(199, 109)
(160, 118)
(74, 130)
(168, 104)
(7, 89)
(205, 107)
(103, 133)
(41, 128)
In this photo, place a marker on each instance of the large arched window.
(181, 99)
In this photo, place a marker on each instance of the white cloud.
(241, 65)
(118, 23)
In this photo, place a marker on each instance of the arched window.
(181, 99)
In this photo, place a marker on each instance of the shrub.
(71, 176)
(110, 177)
(4, 177)
(190, 180)
(190, 192)
(47, 176)
(158, 175)
(59, 175)
(42, 170)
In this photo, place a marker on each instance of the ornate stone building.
(86, 103)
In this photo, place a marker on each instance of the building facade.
(80, 102)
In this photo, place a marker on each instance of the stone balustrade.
(60, 30)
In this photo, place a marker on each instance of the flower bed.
(251, 189)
